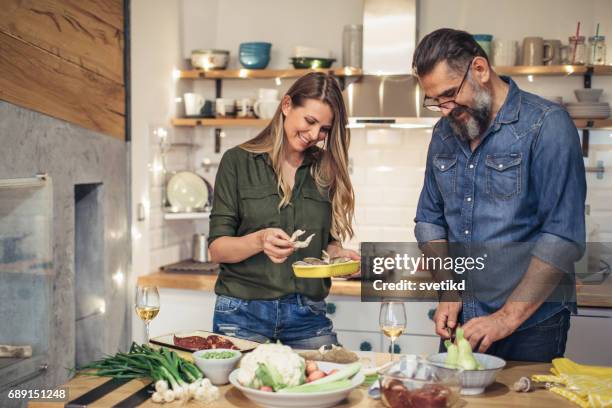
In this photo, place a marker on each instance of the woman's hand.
(276, 244)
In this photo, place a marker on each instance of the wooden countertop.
(499, 394)
(588, 295)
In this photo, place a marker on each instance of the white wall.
(285, 24)
(155, 53)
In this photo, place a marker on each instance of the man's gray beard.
(478, 119)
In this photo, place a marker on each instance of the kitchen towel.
(587, 386)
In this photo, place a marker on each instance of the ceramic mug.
(193, 103)
(244, 108)
(265, 109)
(505, 53)
(533, 51)
(225, 107)
(552, 53)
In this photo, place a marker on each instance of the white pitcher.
(265, 108)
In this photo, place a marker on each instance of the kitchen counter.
(499, 394)
(588, 295)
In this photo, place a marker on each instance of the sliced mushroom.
(305, 243)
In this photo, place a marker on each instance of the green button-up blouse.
(246, 200)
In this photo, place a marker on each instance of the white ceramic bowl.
(588, 95)
(475, 381)
(216, 370)
(299, 400)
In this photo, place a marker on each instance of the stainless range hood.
(387, 94)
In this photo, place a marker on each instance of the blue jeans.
(540, 343)
(295, 320)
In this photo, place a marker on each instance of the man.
(504, 172)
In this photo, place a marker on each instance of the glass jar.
(577, 50)
(597, 50)
(414, 382)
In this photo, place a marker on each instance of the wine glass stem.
(392, 347)
(147, 332)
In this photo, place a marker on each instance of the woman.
(291, 176)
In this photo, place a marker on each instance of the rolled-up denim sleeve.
(558, 176)
(224, 217)
(430, 223)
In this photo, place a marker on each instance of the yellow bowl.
(326, 271)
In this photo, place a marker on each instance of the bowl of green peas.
(217, 364)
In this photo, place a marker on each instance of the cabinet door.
(590, 336)
(360, 341)
(183, 310)
(419, 318)
(349, 313)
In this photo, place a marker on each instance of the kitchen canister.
(484, 40)
(352, 45)
(200, 248)
(505, 53)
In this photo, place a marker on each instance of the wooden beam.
(88, 33)
(43, 82)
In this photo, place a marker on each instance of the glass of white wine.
(392, 321)
(147, 305)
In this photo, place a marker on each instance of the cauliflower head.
(283, 359)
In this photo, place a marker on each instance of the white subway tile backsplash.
(169, 255)
(396, 234)
(402, 196)
(358, 175)
(368, 195)
(177, 231)
(384, 137)
(368, 234)
(156, 238)
(361, 216)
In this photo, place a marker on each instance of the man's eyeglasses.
(432, 103)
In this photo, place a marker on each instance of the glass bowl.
(413, 382)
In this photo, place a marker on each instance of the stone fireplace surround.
(33, 143)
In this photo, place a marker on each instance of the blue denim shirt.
(524, 183)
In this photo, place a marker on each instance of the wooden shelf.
(348, 71)
(264, 73)
(553, 70)
(187, 216)
(254, 122)
(596, 123)
(580, 123)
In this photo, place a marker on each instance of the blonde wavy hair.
(330, 166)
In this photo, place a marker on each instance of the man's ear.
(286, 105)
(482, 70)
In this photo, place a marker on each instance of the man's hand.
(276, 244)
(488, 329)
(446, 316)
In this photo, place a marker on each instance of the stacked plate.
(588, 105)
(588, 110)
